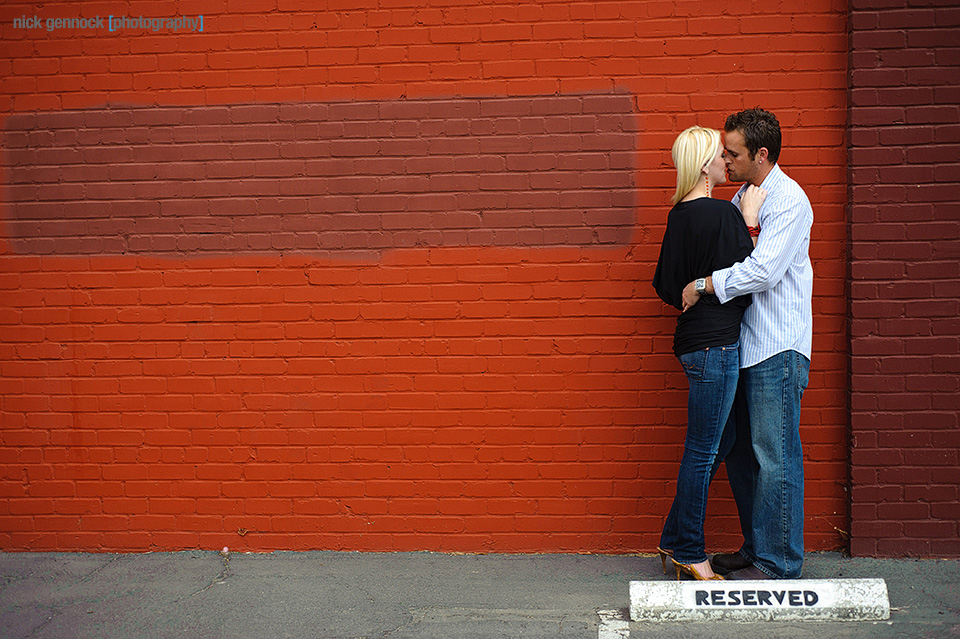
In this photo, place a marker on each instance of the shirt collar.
(772, 177)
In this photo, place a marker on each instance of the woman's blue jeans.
(712, 374)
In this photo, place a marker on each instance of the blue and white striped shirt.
(778, 274)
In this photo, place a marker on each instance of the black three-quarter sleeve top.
(702, 236)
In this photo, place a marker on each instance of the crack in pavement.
(219, 579)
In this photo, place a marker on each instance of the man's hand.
(690, 296)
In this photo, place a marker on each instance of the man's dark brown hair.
(759, 129)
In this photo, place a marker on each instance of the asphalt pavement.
(337, 595)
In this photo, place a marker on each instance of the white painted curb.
(613, 625)
(768, 600)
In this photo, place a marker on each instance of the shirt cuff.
(719, 284)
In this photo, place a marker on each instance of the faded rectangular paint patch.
(332, 177)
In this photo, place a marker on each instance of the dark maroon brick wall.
(541, 171)
(905, 277)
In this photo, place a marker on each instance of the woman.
(702, 235)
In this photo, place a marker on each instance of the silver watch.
(700, 285)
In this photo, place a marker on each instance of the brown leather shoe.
(725, 563)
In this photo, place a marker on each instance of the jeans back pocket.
(694, 363)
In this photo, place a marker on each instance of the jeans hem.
(765, 571)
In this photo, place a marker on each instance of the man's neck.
(763, 173)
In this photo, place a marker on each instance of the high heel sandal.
(663, 557)
(688, 569)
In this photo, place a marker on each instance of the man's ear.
(762, 154)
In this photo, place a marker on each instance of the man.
(765, 467)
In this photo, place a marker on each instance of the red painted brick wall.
(402, 373)
(905, 278)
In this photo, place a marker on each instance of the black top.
(702, 236)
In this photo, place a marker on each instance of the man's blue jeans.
(765, 465)
(712, 374)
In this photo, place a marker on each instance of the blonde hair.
(693, 149)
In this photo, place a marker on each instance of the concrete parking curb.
(774, 600)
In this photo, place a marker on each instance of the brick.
(879, 38)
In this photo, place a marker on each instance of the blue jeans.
(712, 374)
(765, 465)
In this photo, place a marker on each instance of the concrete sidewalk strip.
(613, 624)
(774, 600)
(421, 595)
